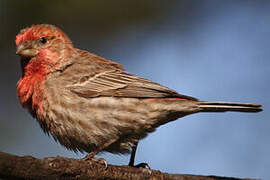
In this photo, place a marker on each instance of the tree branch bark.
(55, 168)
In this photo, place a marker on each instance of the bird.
(91, 104)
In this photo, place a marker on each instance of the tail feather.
(206, 106)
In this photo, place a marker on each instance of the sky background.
(212, 50)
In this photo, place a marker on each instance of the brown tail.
(228, 106)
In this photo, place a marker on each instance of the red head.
(42, 49)
(41, 45)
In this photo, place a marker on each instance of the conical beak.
(25, 50)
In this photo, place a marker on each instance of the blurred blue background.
(212, 50)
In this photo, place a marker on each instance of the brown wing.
(117, 83)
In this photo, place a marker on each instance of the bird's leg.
(133, 153)
(132, 158)
(90, 156)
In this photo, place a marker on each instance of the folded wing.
(117, 83)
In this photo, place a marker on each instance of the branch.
(28, 167)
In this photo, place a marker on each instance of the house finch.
(90, 104)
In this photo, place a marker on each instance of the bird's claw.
(100, 161)
(145, 168)
(90, 157)
(142, 165)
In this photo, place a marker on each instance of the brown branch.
(27, 167)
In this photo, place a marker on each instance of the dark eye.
(43, 40)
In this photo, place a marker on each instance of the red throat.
(29, 87)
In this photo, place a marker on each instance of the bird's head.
(41, 44)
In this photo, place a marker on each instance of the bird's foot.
(90, 157)
(145, 168)
(142, 165)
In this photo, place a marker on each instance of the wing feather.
(117, 83)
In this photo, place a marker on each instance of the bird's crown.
(39, 31)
